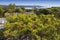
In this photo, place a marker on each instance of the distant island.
(27, 6)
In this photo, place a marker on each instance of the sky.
(48, 3)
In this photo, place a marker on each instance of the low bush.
(32, 27)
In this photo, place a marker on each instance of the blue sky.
(47, 3)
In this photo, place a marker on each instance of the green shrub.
(44, 27)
